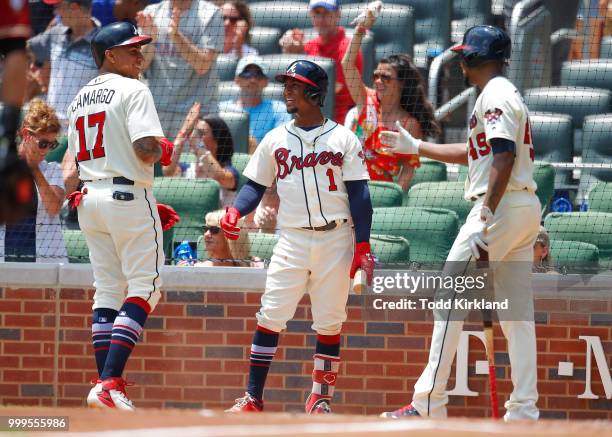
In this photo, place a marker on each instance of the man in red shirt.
(332, 42)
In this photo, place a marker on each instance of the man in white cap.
(264, 115)
(332, 42)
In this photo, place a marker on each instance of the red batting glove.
(75, 198)
(167, 148)
(362, 259)
(168, 216)
(229, 223)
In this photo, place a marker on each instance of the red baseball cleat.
(405, 411)
(246, 404)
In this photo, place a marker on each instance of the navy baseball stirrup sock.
(262, 352)
(126, 331)
(101, 330)
(325, 372)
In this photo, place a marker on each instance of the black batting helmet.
(309, 73)
(115, 35)
(483, 43)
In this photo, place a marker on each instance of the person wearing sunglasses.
(237, 23)
(222, 252)
(398, 94)
(38, 237)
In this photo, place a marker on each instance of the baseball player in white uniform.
(114, 134)
(503, 222)
(321, 178)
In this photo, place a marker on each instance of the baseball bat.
(359, 282)
(487, 320)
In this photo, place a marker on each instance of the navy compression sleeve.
(501, 145)
(361, 208)
(249, 197)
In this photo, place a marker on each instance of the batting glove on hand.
(477, 240)
(168, 216)
(362, 259)
(229, 223)
(400, 142)
(167, 148)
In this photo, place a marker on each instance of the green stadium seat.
(226, 67)
(262, 244)
(578, 102)
(265, 40)
(283, 15)
(588, 227)
(429, 231)
(544, 177)
(446, 194)
(429, 171)
(240, 161)
(468, 13)
(600, 197)
(238, 124)
(385, 194)
(597, 142)
(76, 246)
(574, 256)
(192, 199)
(390, 249)
(605, 51)
(57, 155)
(553, 140)
(595, 73)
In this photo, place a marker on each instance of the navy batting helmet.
(115, 35)
(309, 73)
(483, 43)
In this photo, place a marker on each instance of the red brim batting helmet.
(483, 43)
(115, 35)
(311, 74)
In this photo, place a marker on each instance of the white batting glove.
(400, 142)
(477, 239)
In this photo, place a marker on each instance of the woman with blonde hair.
(38, 237)
(224, 252)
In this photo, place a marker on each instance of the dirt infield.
(185, 423)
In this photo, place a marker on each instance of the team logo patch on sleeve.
(493, 115)
(473, 121)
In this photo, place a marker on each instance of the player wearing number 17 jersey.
(502, 224)
(114, 133)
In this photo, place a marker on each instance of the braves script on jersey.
(499, 113)
(106, 117)
(310, 180)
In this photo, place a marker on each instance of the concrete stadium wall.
(196, 345)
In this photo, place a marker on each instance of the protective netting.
(216, 102)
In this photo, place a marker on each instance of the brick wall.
(196, 346)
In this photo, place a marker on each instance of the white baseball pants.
(313, 261)
(125, 243)
(510, 238)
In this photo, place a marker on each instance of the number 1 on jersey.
(93, 120)
(332, 182)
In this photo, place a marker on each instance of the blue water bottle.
(184, 252)
(561, 203)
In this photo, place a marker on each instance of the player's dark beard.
(466, 80)
(292, 110)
